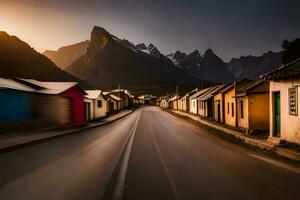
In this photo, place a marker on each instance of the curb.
(292, 155)
(67, 132)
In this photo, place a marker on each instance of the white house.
(184, 102)
(97, 104)
(194, 101)
(284, 102)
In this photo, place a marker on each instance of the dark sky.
(231, 28)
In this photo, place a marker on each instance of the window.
(99, 104)
(232, 109)
(228, 107)
(293, 101)
(242, 109)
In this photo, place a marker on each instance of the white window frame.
(296, 101)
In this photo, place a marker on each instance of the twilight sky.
(232, 28)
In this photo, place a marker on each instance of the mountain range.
(213, 68)
(199, 67)
(110, 62)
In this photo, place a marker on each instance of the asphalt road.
(149, 154)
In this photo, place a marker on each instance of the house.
(95, 105)
(65, 103)
(206, 107)
(284, 102)
(229, 100)
(253, 107)
(173, 101)
(184, 101)
(113, 103)
(124, 95)
(194, 101)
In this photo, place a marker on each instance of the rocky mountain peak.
(179, 55)
(99, 38)
(209, 52)
(195, 55)
(141, 46)
(153, 50)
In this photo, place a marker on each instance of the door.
(87, 112)
(218, 111)
(277, 114)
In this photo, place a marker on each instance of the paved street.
(149, 154)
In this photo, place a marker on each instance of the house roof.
(252, 85)
(115, 97)
(190, 93)
(238, 84)
(197, 94)
(94, 94)
(228, 87)
(285, 72)
(15, 85)
(243, 91)
(211, 92)
(174, 98)
(47, 87)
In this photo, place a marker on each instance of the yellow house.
(229, 93)
(219, 107)
(284, 102)
(253, 107)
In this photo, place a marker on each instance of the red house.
(70, 109)
(77, 104)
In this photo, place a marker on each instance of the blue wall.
(14, 106)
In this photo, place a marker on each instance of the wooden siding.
(52, 109)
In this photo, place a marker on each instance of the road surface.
(149, 154)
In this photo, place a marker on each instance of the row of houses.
(28, 102)
(269, 104)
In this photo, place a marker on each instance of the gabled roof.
(197, 94)
(174, 98)
(190, 93)
(115, 97)
(48, 87)
(238, 85)
(243, 91)
(94, 94)
(15, 85)
(252, 85)
(228, 87)
(285, 72)
(211, 92)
